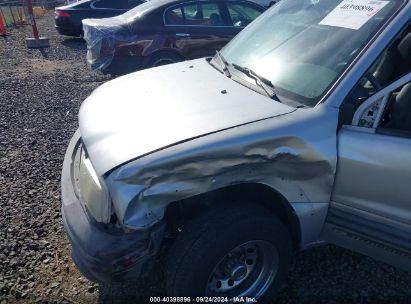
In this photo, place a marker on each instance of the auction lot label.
(202, 300)
(353, 14)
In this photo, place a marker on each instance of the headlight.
(93, 191)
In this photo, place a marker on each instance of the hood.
(146, 111)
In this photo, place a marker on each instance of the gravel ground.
(40, 94)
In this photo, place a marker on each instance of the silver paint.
(175, 150)
(139, 113)
(368, 174)
(158, 152)
(298, 162)
(167, 134)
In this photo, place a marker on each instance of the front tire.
(230, 250)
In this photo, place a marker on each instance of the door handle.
(182, 35)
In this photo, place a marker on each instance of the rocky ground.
(40, 94)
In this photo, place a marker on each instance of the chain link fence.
(14, 12)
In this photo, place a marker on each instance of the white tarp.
(353, 14)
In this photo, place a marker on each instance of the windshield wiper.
(262, 82)
(224, 64)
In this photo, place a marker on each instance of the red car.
(160, 32)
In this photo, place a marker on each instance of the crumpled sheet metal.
(301, 167)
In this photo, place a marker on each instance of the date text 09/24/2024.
(202, 300)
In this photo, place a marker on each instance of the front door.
(370, 209)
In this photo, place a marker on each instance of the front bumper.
(103, 253)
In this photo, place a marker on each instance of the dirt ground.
(40, 94)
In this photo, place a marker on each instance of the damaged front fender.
(295, 154)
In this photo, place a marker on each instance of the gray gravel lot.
(40, 94)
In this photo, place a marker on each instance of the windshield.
(302, 46)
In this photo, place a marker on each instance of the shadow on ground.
(75, 43)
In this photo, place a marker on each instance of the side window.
(242, 14)
(175, 16)
(394, 62)
(205, 14)
(397, 112)
(388, 110)
(391, 65)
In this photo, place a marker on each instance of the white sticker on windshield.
(353, 14)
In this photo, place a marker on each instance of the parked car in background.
(296, 134)
(67, 2)
(162, 32)
(68, 17)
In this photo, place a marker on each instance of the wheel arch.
(180, 211)
(149, 55)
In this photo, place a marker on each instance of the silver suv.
(297, 133)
